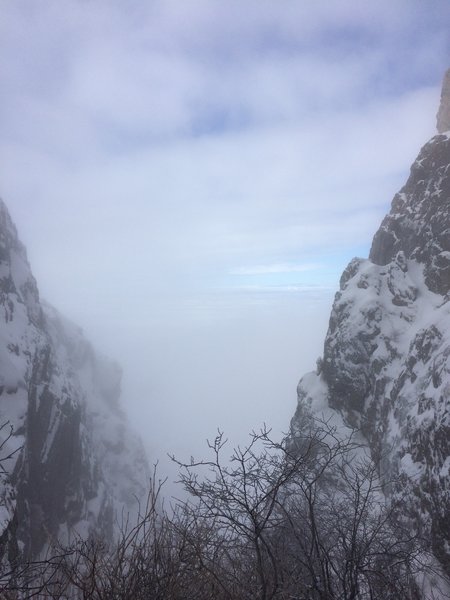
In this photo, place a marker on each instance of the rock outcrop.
(386, 364)
(443, 116)
(74, 464)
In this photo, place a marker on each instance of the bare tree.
(301, 520)
(278, 521)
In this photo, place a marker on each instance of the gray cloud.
(151, 150)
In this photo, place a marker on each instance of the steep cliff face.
(386, 363)
(76, 466)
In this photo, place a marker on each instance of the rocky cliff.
(71, 464)
(386, 364)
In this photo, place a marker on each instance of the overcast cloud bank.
(190, 178)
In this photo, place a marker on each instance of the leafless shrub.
(303, 521)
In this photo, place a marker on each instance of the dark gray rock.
(78, 465)
(386, 363)
(443, 116)
(419, 221)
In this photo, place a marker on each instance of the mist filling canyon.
(224, 328)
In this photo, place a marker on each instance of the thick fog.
(191, 178)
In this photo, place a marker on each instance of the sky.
(191, 177)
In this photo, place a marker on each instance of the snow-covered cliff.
(77, 466)
(386, 363)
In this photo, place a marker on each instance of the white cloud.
(274, 268)
(152, 150)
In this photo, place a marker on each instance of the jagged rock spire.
(386, 363)
(443, 115)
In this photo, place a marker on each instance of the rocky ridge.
(386, 364)
(76, 466)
